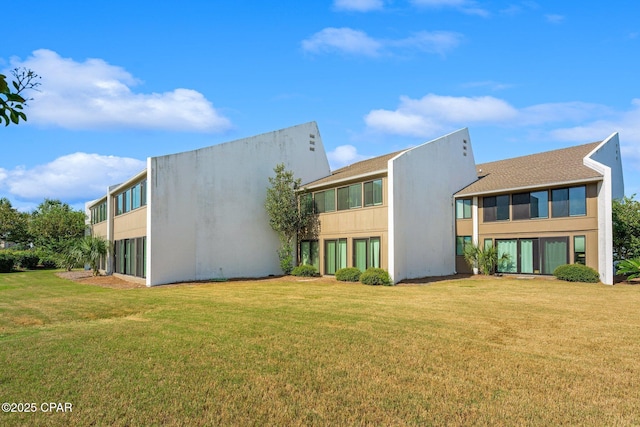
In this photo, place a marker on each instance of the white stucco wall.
(206, 216)
(422, 182)
(606, 159)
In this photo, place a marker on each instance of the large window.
(325, 201)
(350, 197)
(568, 202)
(532, 256)
(366, 253)
(463, 208)
(131, 256)
(310, 253)
(530, 205)
(373, 193)
(335, 255)
(496, 208)
(132, 198)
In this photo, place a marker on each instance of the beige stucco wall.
(131, 224)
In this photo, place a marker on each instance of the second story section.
(354, 198)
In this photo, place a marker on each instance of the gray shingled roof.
(548, 168)
(364, 167)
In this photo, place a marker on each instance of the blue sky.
(125, 80)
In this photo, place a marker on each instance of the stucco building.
(200, 215)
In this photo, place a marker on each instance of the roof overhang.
(529, 187)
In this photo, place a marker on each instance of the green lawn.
(280, 352)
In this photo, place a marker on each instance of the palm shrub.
(304, 270)
(90, 250)
(348, 274)
(376, 276)
(576, 273)
(629, 268)
(485, 259)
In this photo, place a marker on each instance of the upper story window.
(99, 213)
(350, 197)
(132, 198)
(569, 201)
(463, 208)
(373, 193)
(325, 201)
(496, 208)
(530, 205)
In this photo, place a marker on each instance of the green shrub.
(576, 273)
(348, 274)
(27, 260)
(376, 276)
(49, 262)
(629, 268)
(305, 270)
(7, 260)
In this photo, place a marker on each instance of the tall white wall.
(422, 182)
(607, 160)
(206, 215)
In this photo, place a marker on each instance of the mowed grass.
(476, 351)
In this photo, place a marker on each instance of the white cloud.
(554, 19)
(355, 42)
(358, 5)
(465, 6)
(433, 113)
(94, 94)
(345, 40)
(77, 176)
(344, 155)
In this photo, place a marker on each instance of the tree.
(290, 213)
(11, 100)
(13, 224)
(90, 250)
(626, 228)
(54, 224)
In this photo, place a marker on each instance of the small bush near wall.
(27, 260)
(349, 274)
(376, 276)
(48, 262)
(304, 270)
(576, 273)
(6, 262)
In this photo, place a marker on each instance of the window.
(521, 209)
(335, 255)
(350, 197)
(568, 202)
(325, 201)
(366, 253)
(488, 244)
(132, 198)
(373, 192)
(306, 203)
(539, 204)
(554, 252)
(496, 208)
(309, 253)
(509, 248)
(461, 242)
(579, 254)
(463, 208)
(131, 256)
(99, 213)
